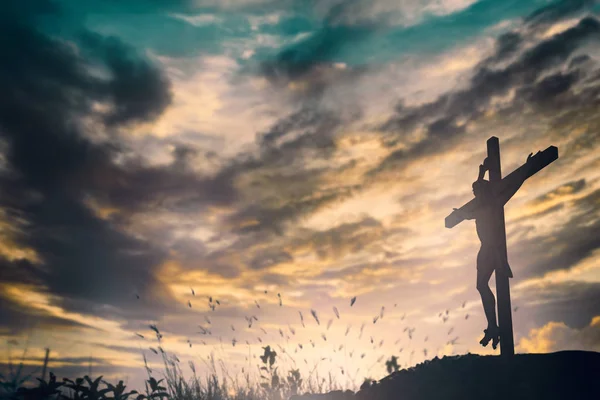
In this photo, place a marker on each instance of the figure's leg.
(484, 273)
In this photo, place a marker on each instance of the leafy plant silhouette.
(81, 391)
(272, 383)
(118, 391)
(45, 390)
(392, 365)
(87, 389)
(154, 390)
(294, 381)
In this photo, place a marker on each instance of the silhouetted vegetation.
(527, 376)
(172, 387)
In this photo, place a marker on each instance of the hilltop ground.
(562, 375)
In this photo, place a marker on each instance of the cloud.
(570, 301)
(555, 336)
(15, 318)
(565, 189)
(446, 119)
(551, 202)
(198, 20)
(557, 10)
(567, 244)
(272, 217)
(266, 260)
(50, 90)
(318, 48)
(346, 238)
(138, 90)
(310, 63)
(283, 182)
(305, 119)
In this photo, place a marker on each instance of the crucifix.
(487, 209)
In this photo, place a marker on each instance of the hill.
(561, 375)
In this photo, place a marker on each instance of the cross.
(499, 187)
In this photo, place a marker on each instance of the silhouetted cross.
(499, 187)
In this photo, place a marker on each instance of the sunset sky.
(311, 149)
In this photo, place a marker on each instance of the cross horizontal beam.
(538, 162)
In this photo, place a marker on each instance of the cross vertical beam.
(507, 346)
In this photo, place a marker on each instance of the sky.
(284, 157)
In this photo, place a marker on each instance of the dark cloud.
(94, 6)
(442, 134)
(19, 271)
(48, 89)
(507, 45)
(569, 244)
(311, 61)
(533, 74)
(574, 303)
(274, 279)
(306, 120)
(368, 271)
(284, 182)
(183, 155)
(26, 11)
(319, 48)
(272, 217)
(121, 349)
(564, 189)
(61, 90)
(269, 259)
(346, 238)
(531, 68)
(138, 91)
(15, 317)
(538, 214)
(138, 187)
(547, 91)
(557, 10)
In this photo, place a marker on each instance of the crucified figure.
(490, 201)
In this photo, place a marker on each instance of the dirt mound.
(562, 375)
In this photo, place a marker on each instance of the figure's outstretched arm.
(514, 182)
(464, 214)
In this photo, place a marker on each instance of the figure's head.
(481, 188)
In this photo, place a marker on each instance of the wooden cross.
(499, 185)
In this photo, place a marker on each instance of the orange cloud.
(556, 336)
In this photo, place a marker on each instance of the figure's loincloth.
(491, 258)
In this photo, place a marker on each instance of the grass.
(172, 386)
